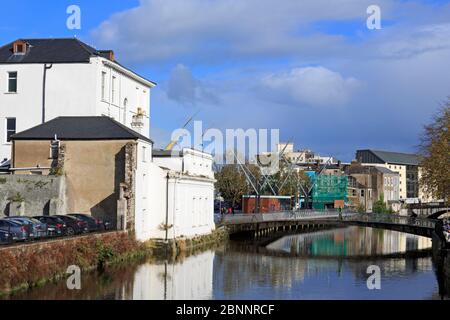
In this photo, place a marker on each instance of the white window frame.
(17, 82)
(113, 89)
(6, 129)
(144, 154)
(103, 84)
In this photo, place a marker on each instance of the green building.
(327, 189)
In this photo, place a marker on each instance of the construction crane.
(173, 143)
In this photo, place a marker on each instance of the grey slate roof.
(385, 170)
(80, 128)
(67, 50)
(57, 50)
(392, 157)
(397, 157)
(159, 153)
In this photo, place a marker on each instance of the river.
(328, 264)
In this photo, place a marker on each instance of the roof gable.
(80, 128)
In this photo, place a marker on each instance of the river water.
(328, 264)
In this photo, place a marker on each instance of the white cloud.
(408, 42)
(159, 30)
(311, 86)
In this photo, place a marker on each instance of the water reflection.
(321, 265)
(350, 242)
(190, 280)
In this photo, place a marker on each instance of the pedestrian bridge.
(261, 224)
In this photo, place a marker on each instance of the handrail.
(324, 215)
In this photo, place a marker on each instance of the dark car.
(73, 225)
(55, 226)
(94, 224)
(5, 237)
(18, 230)
(38, 229)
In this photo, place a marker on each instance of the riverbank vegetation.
(32, 265)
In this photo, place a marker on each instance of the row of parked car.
(13, 229)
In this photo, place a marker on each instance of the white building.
(183, 183)
(41, 79)
(303, 156)
(406, 165)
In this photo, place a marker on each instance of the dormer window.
(20, 47)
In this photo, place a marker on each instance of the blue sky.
(310, 68)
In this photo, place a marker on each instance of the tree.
(434, 151)
(380, 206)
(232, 182)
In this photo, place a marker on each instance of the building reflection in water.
(350, 242)
(191, 279)
(320, 265)
(278, 269)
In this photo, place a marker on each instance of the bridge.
(261, 224)
(432, 211)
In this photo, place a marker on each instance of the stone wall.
(130, 184)
(32, 195)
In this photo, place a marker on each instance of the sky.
(310, 68)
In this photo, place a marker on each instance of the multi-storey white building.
(41, 79)
(406, 165)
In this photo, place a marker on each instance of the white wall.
(190, 210)
(191, 207)
(135, 93)
(197, 163)
(72, 89)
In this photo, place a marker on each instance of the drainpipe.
(167, 206)
(46, 67)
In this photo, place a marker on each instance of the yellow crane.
(173, 143)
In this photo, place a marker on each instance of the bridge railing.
(283, 216)
(328, 214)
(392, 218)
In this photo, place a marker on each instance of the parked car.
(73, 225)
(5, 237)
(18, 230)
(94, 224)
(55, 226)
(38, 229)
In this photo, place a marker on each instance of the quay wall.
(32, 195)
(28, 265)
